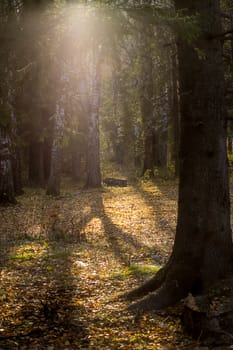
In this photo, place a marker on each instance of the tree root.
(149, 286)
(171, 284)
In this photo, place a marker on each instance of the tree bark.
(93, 151)
(56, 151)
(147, 94)
(202, 252)
(7, 193)
(15, 150)
(175, 115)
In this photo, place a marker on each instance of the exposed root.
(168, 286)
(149, 286)
(167, 295)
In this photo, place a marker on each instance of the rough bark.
(202, 252)
(93, 148)
(7, 193)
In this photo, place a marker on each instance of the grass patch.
(25, 256)
(27, 252)
(138, 270)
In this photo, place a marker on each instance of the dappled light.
(116, 158)
(116, 234)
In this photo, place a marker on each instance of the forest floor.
(64, 262)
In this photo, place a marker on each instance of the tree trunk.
(147, 98)
(175, 115)
(161, 134)
(56, 151)
(93, 148)
(202, 252)
(7, 193)
(15, 150)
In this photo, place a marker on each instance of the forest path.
(65, 261)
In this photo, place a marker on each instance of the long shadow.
(157, 199)
(37, 310)
(45, 286)
(10, 236)
(123, 244)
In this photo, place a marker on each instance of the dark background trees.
(138, 109)
(46, 43)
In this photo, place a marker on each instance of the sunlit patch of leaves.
(64, 263)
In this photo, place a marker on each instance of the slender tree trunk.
(93, 148)
(117, 132)
(175, 114)
(15, 150)
(202, 252)
(7, 192)
(160, 136)
(147, 98)
(56, 151)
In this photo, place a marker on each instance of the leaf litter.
(65, 262)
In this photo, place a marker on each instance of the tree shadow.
(124, 245)
(44, 308)
(166, 220)
(39, 289)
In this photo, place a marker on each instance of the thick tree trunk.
(7, 193)
(202, 252)
(93, 151)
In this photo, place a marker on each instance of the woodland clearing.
(65, 261)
